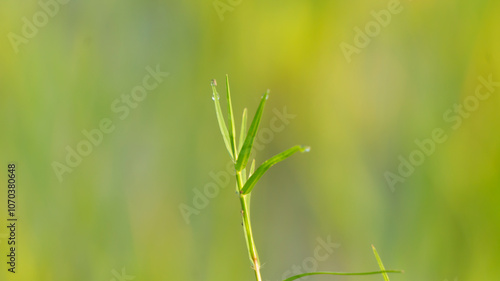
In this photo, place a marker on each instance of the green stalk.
(247, 227)
(240, 155)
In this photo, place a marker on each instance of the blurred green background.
(119, 209)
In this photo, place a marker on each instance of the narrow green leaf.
(252, 168)
(243, 132)
(380, 264)
(341, 273)
(230, 119)
(243, 176)
(246, 149)
(244, 173)
(247, 188)
(247, 241)
(248, 197)
(220, 119)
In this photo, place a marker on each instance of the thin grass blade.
(220, 119)
(248, 197)
(243, 132)
(252, 168)
(246, 240)
(246, 149)
(243, 176)
(230, 119)
(341, 273)
(249, 185)
(380, 264)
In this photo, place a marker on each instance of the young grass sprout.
(240, 154)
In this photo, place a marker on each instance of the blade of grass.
(243, 176)
(380, 264)
(341, 273)
(243, 132)
(220, 119)
(246, 149)
(230, 119)
(252, 168)
(247, 188)
(249, 196)
(247, 242)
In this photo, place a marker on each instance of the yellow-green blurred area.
(117, 214)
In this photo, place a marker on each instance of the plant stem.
(252, 250)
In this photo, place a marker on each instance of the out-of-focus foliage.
(121, 207)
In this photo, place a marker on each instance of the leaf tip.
(215, 95)
(306, 148)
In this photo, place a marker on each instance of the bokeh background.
(119, 209)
